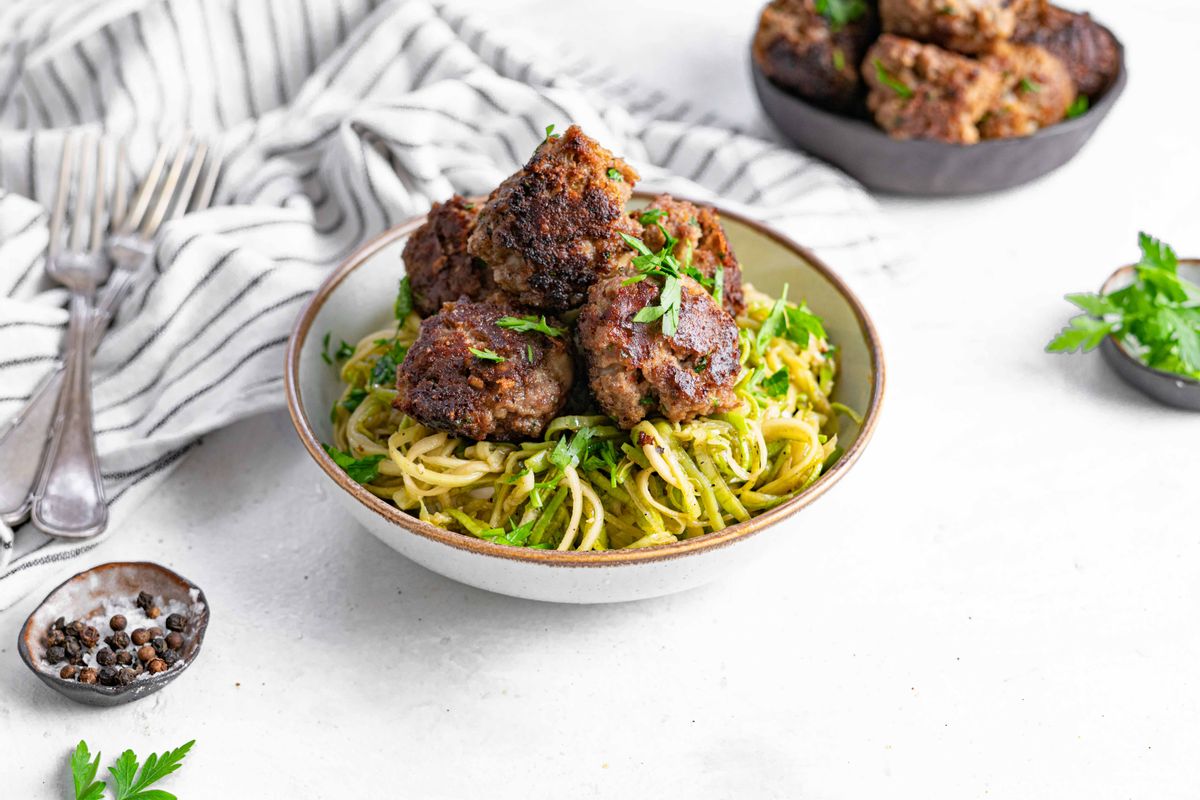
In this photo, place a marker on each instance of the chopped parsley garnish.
(516, 537)
(792, 322)
(701, 364)
(1032, 87)
(384, 371)
(1078, 107)
(839, 59)
(344, 351)
(487, 355)
(718, 284)
(404, 300)
(776, 385)
(651, 215)
(529, 353)
(361, 470)
(602, 455)
(1158, 315)
(666, 267)
(895, 84)
(527, 324)
(549, 132)
(570, 451)
(614, 174)
(840, 13)
(353, 400)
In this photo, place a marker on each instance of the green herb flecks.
(384, 371)
(789, 321)
(487, 355)
(895, 84)
(549, 132)
(1079, 106)
(404, 300)
(840, 13)
(614, 174)
(361, 470)
(651, 215)
(664, 266)
(1157, 316)
(1031, 87)
(776, 385)
(531, 323)
(517, 536)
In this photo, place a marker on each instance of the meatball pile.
(494, 359)
(949, 70)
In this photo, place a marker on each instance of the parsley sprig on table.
(129, 782)
(841, 13)
(1157, 316)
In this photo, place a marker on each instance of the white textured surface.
(999, 601)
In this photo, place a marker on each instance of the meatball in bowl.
(489, 377)
(936, 98)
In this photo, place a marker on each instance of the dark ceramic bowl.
(922, 167)
(1165, 387)
(81, 596)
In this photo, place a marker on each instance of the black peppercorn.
(60, 624)
(124, 657)
(106, 657)
(125, 676)
(87, 675)
(118, 622)
(159, 644)
(55, 637)
(67, 672)
(55, 654)
(175, 640)
(76, 627)
(170, 657)
(118, 641)
(90, 637)
(145, 600)
(108, 676)
(146, 653)
(156, 666)
(176, 622)
(73, 647)
(140, 636)
(154, 631)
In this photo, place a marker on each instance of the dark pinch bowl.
(1165, 387)
(929, 168)
(79, 597)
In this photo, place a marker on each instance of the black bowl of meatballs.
(936, 97)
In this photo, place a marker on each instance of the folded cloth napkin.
(339, 119)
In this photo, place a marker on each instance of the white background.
(999, 601)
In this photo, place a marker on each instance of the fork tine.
(77, 224)
(119, 180)
(150, 227)
(205, 196)
(60, 199)
(189, 182)
(142, 202)
(98, 195)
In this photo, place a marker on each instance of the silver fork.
(131, 249)
(69, 498)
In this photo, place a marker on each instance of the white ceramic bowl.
(357, 298)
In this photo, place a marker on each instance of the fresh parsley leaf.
(527, 324)
(802, 323)
(132, 785)
(614, 174)
(384, 371)
(1078, 107)
(325, 349)
(775, 323)
(776, 385)
(549, 131)
(354, 399)
(637, 244)
(701, 364)
(1094, 304)
(895, 84)
(487, 355)
(1032, 87)
(361, 470)
(529, 353)
(344, 351)
(1083, 333)
(839, 59)
(649, 314)
(404, 300)
(570, 451)
(718, 284)
(517, 537)
(651, 215)
(602, 455)
(840, 13)
(83, 774)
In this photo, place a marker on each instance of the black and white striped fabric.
(340, 118)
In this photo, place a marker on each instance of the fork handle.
(69, 499)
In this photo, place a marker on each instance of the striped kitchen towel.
(339, 118)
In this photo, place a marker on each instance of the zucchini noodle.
(656, 484)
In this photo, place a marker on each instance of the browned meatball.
(1089, 51)
(920, 91)
(436, 259)
(552, 230)
(702, 242)
(965, 26)
(635, 370)
(1037, 91)
(812, 55)
(507, 391)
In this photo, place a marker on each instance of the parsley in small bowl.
(1146, 321)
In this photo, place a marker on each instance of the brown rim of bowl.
(571, 558)
(1110, 284)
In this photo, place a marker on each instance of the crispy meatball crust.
(552, 230)
(635, 370)
(1037, 91)
(965, 26)
(445, 386)
(702, 239)
(1089, 51)
(796, 47)
(950, 93)
(437, 262)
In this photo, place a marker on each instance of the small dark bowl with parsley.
(1146, 321)
(848, 138)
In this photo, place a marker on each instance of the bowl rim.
(1108, 98)
(1157, 374)
(66, 685)
(708, 541)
